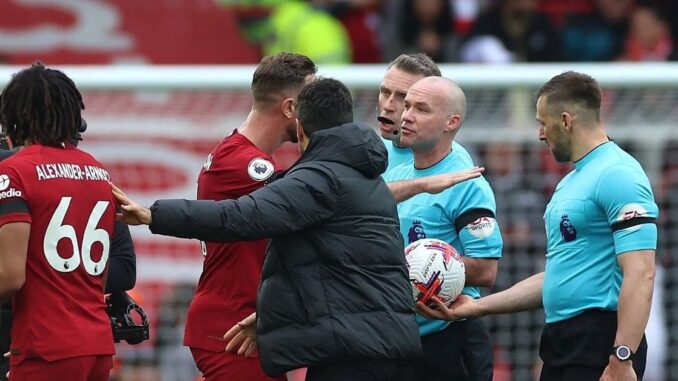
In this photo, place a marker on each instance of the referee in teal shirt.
(597, 287)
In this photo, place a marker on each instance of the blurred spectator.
(465, 14)
(559, 10)
(420, 26)
(598, 36)
(299, 27)
(520, 209)
(175, 360)
(649, 37)
(360, 17)
(524, 32)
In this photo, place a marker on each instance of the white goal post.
(516, 81)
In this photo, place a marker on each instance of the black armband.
(14, 206)
(632, 222)
(469, 216)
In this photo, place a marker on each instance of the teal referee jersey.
(402, 155)
(463, 216)
(603, 208)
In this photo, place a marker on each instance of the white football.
(436, 269)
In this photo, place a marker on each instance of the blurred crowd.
(479, 31)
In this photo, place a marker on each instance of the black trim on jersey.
(14, 206)
(469, 216)
(632, 222)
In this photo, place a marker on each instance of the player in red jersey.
(240, 164)
(56, 221)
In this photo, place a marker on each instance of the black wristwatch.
(622, 353)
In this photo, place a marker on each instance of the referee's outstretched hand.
(438, 183)
(463, 307)
(131, 212)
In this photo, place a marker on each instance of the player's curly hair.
(42, 106)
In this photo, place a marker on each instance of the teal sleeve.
(625, 195)
(475, 222)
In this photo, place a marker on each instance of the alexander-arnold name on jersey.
(71, 171)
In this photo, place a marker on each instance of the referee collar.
(593, 154)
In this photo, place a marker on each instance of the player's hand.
(464, 307)
(618, 371)
(132, 213)
(242, 336)
(438, 183)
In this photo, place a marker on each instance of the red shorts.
(216, 366)
(85, 368)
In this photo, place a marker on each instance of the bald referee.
(597, 287)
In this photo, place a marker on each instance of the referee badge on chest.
(567, 229)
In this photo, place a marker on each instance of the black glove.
(120, 307)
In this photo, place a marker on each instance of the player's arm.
(402, 190)
(13, 250)
(625, 195)
(635, 297)
(523, 296)
(122, 272)
(481, 272)
(481, 241)
(301, 199)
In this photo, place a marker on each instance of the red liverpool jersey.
(64, 194)
(227, 290)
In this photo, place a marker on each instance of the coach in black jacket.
(334, 294)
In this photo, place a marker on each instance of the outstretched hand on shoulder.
(132, 213)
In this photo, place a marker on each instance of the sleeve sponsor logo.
(4, 182)
(260, 169)
(483, 227)
(7, 193)
(630, 211)
(11, 192)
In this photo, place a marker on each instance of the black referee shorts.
(578, 349)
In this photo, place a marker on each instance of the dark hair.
(41, 105)
(323, 104)
(573, 87)
(280, 72)
(418, 63)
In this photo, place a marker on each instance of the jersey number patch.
(56, 231)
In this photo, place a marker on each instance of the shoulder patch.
(4, 182)
(260, 169)
(482, 227)
(630, 211)
(208, 162)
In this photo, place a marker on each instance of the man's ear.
(453, 123)
(566, 121)
(288, 108)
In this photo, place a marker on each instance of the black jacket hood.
(354, 144)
